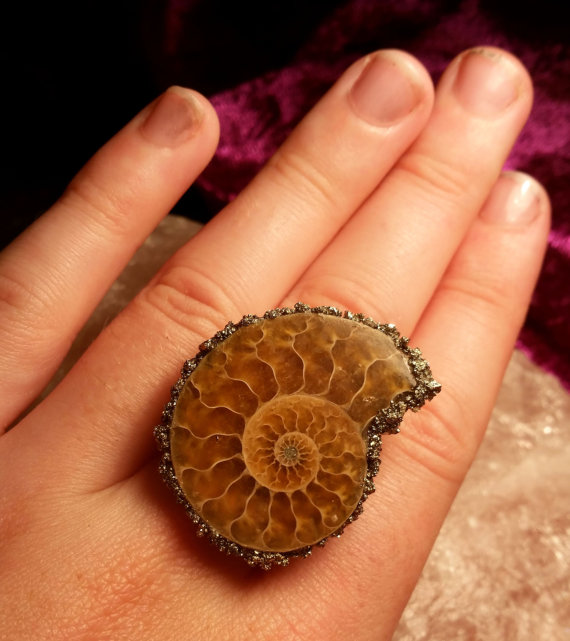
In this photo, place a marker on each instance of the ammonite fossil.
(272, 436)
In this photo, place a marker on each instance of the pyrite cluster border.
(387, 421)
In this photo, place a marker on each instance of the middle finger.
(390, 256)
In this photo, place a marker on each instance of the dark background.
(74, 73)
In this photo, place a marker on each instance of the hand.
(387, 199)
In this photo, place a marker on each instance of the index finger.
(54, 274)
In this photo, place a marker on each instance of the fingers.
(392, 254)
(243, 261)
(55, 273)
(468, 332)
(251, 254)
(471, 324)
(100, 417)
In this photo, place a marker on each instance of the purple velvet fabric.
(258, 114)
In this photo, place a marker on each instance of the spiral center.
(288, 455)
(279, 449)
(292, 448)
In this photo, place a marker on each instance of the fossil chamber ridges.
(272, 436)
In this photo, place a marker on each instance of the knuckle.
(191, 299)
(25, 304)
(438, 179)
(442, 439)
(341, 292)
(31, 342)
(306, 183)
(108, 210)
(14, 295)
(484, 297)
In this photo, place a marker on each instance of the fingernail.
(383, 93)
(515, 199)
(173, 119)
(485, 83)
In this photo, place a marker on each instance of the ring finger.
(389, 258)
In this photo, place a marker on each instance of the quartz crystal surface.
(499, 569)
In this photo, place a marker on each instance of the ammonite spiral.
(272, 437)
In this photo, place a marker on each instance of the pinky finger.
(468, 331)
(470, 327)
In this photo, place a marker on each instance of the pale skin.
(387, 199)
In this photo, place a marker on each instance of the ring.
(272, 436)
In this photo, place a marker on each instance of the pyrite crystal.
(272, 436)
